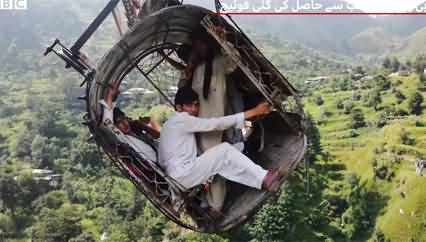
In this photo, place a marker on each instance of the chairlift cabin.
(277, 140)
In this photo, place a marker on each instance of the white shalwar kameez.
(178, 152)
(214, 106)
(143, 149)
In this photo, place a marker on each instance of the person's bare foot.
(270, 178)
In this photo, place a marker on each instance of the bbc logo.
(13, 4)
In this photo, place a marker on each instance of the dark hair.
(185, 95)
(118, 115)
(199, 33)
(183, 52)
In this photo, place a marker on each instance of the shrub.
(401, 112)
(379, 236)
(348, 106)
(405, 138)
(397, 83)
(339, 104)
(382, 120)
(383, 83)
(381, 172)
(380, 149)
(400, 97)
(318, 100)
(357, 119)
(420, 124)
(415, 104)
(356, 96)
(422, 78)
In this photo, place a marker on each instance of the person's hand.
(145, 120)
(262, 108)
(220, 32)
(112, 89)
(111, 93)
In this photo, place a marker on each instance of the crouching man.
(178, 147)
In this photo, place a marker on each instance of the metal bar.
(290, 87)
(158, 63)
(50, 48)
(94, 26)
(249, 74)
(154, 85)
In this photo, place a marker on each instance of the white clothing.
(224, 160)
(178, 152)
(214, 105)
(143, 149)
(178, 146)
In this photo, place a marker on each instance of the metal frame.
(75, 59)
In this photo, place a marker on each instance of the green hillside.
(357, 183)
(414, 45)
(383, 145)
(374, 41)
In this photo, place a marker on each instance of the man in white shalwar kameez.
(178, 147)
(206, 73)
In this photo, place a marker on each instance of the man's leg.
(217, 190)
(228, 162)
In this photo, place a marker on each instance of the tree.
(357, 119)
(274, 221)
(382, 119)
(44, 152)
(51, 200)
(46, 122)
(339, 103)
(85, 154)
(375, 99)
(8, 191)
(7, 225)
(400, 97)
(422, 78)
(379, 236)
(201, 237)
(347, 107)
(420, 64)
(84, 237)
(318, 100)
(356, 220)
(408, 64)
(344, 84)
(314, 139)
(359, 70)
(395, 64)
(387, 63)
(405, 138)
(415, 104)
(20, 146)
(60, 224)
(383, 83)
